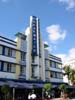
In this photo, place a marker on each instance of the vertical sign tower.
(37, 49)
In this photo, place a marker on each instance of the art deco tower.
(35, 51)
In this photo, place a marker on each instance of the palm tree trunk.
(5, 97)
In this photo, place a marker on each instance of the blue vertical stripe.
(34, 36)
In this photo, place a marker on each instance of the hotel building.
(27, 58)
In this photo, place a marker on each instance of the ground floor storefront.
(22, 94)
(20, 89)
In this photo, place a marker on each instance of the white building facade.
(53, 68)
(27, 58)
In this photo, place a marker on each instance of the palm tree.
(72, 76)
(47, 89)
(5, 89)
(67, 70)
(63, 89)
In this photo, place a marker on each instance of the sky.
(57, 21)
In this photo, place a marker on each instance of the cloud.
(66, 57)
(62, 56)
(56, 33)
(50, 47)
(72, 53)
(70, 4)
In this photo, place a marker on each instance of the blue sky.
(57, 18)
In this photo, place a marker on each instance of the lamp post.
(13, 93)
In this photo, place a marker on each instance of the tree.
(70, 74)
(5, 89)
(62, 88)
(67, 70)
(47, 89)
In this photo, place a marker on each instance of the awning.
(39, 85)
(54, 86)
(71, 87)
(12, 84)
(21, 84)
(2, 83)
(18, 84)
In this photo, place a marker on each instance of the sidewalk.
(56, 99)
(60, 99)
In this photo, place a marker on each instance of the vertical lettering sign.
(34, 36)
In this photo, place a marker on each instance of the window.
(13, 68)
(5, 67)
(14, 53)
(8, 67)
(33, 59)
(56, 75)
(58, 65)
(22, 70)
(1, 49)
(33, 72)
(8, 52)
(61, 75)
(0, 65)
(52, 64)
(23, 56)
(52, 74)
